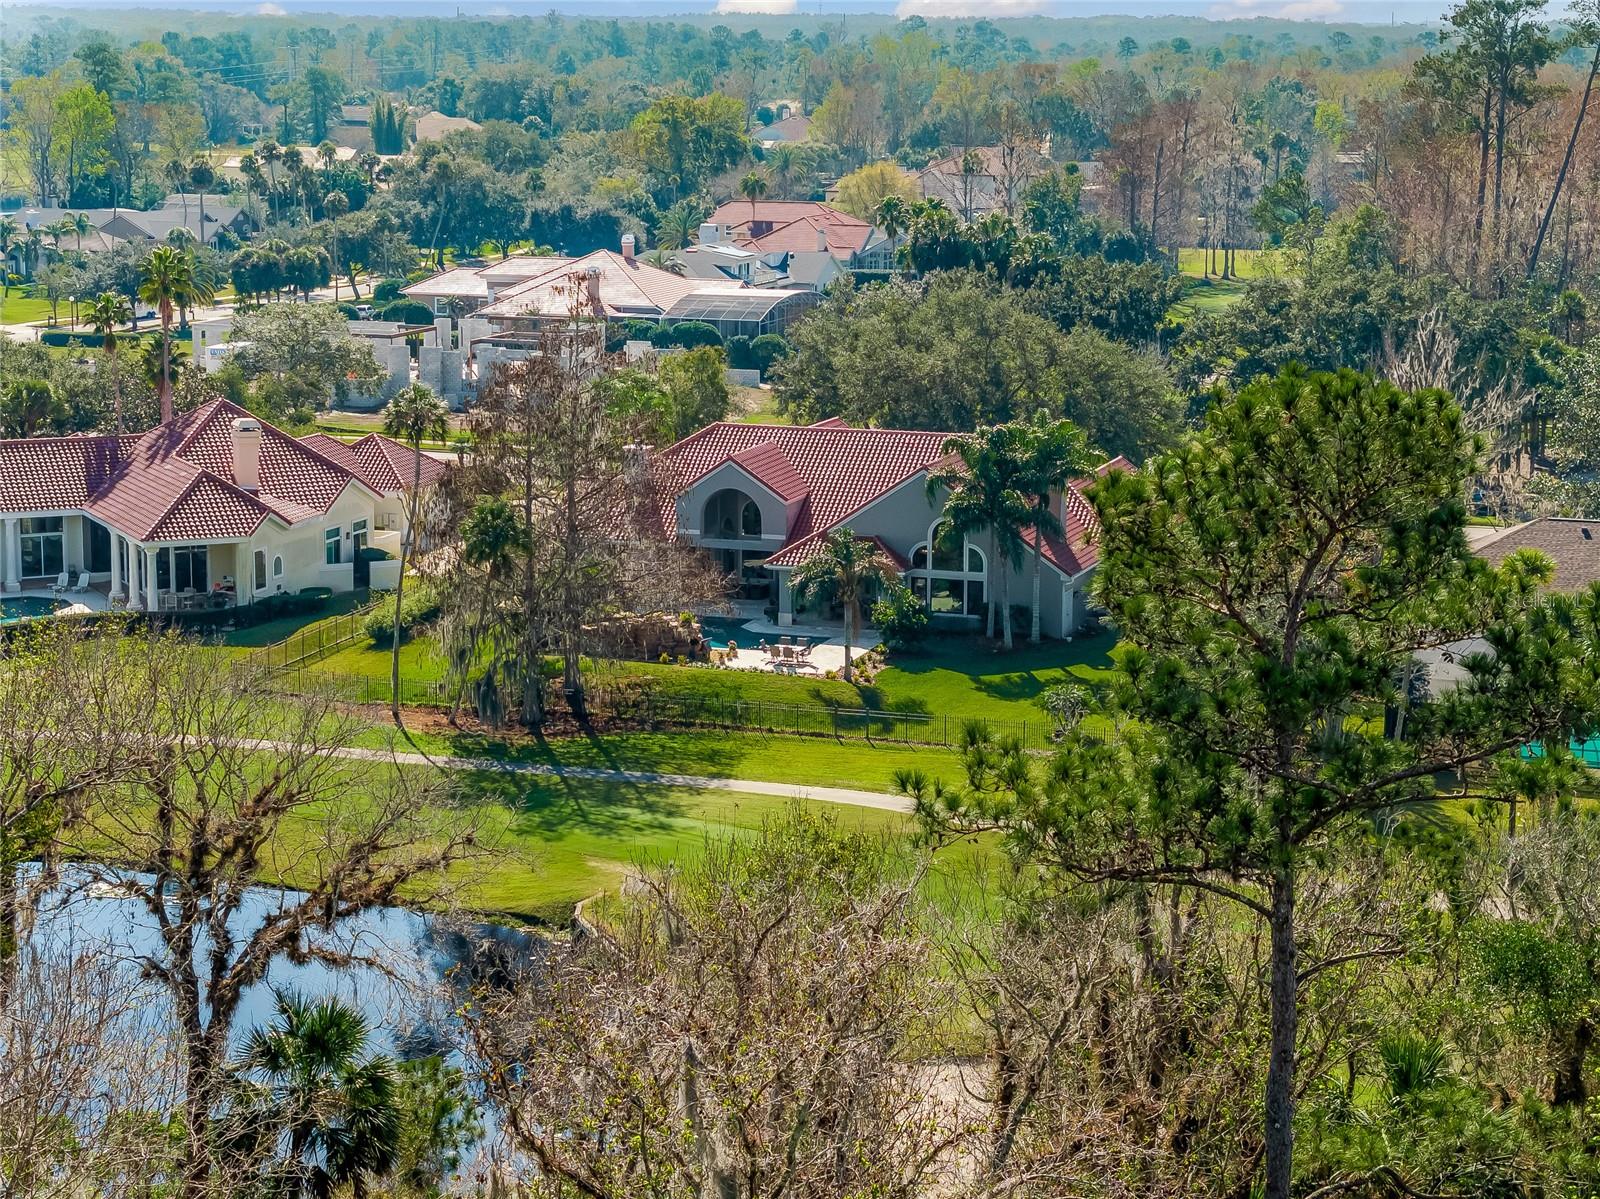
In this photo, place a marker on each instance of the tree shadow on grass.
(558, 802)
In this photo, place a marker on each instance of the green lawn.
(18, 309)
(563, 841)
(959, 677)
(276, 630)
(1214, 295)
(804, 761)
(1247, 264)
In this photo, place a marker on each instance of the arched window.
(277, 567)
(731, 515)
(949, 573)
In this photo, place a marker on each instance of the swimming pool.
(719, 630)
(25, 607)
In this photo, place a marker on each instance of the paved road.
(837, 795)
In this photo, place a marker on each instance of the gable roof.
(627, 286)
(843, 470)
(177, 482)
(794, 128)
(1573, 544)
(799, 236)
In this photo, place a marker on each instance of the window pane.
(919, 558)
(946, 549)
(261, 570)
(974, 560)
(974, 599)
(946, 597)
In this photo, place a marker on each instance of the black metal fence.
(310, 643)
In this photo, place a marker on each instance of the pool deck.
(827, 652)
(87, 601)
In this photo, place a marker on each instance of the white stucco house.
(759, 499)
(214, 509)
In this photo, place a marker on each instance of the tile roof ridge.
(203, 475)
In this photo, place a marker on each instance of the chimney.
(247, 452)
(709, 235)
(592, 280)
(822, 239)
(628, 245)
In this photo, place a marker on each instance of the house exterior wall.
(691, 508)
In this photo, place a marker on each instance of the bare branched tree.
(90, 1078)
(212, 812)
(742, 1029)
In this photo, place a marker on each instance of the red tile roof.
(766, 464)
(844, 238)
(843, 470)
(176, 482)
(383, 464)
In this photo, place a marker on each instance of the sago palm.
(841, 568)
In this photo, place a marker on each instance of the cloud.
(779, 8)
(270, 9)
(1292, 10)
(969, 8)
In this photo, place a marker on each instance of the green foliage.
(420, 607)
(696, 387)
(688, 334)
(305, 350)
(406, 311)
(901, 617)
(766, 351)
(387, 290)
(956, 352)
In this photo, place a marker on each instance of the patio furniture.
(82, 585)
(785, 640)
(802, 652)
(59, 585)
(168, 602)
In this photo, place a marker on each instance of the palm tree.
(989, 491)
(270, 153)
(169, 280)
(201, 176)
(59, 231)
(752, 187)
(8, 238)
(1056, 452)
(307, 1084)
(327, 154)
(893, 216)
(82, 226)
(841, 569)
(106, 312)
(335, 204)
(678, 225)
(414, 415)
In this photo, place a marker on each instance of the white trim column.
(152, 602)
(116, 565)
(10, 547)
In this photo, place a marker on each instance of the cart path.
(836, 795)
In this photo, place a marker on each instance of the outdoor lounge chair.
(60, 584)
(82, 585)
(803, 651)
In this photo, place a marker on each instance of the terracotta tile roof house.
(1573, 544)
(794, 128)
(622, 287)
(759, 499)
(215, 495)
(805, 227)
(996, 185)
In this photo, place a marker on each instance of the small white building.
(214, 509)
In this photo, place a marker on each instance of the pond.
(416, 961)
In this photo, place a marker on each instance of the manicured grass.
(276, 630)
(959, 677)
(563, 841)
(804, 761)
(1208, 296)
(1247, 264)
(19, 309)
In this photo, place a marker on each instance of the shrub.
(1067, 704)
(689, 334)
(637, 330)
(766, 350)
(387, 291)
(740, 356)
(348, 311)
(420, 605)
(901, 617)
(408, 312)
